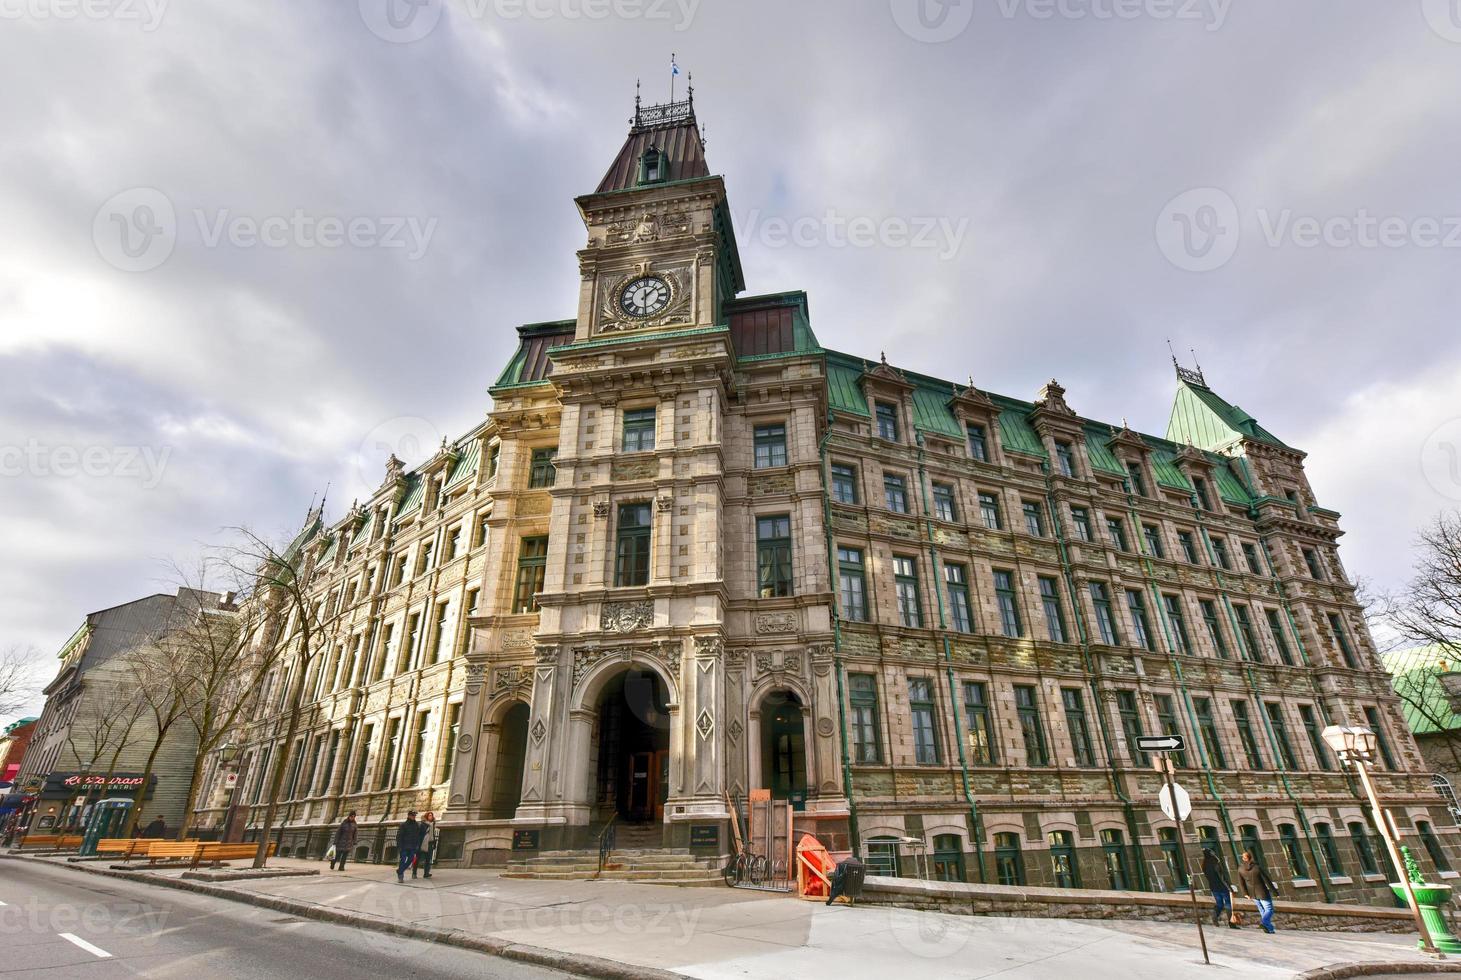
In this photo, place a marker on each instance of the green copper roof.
(1015, 432)
(1202, 419)
(465, 465)
(931, 411)
(1422, 699)
(843, 392)
(1164, 465)
(1101, 457)
(415, 491)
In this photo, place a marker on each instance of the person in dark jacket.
(1260, 888)
(408, 844)
(344, 842)
(156, 829)
(428, 845)
(1221, 888)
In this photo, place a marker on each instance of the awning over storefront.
(68, 785)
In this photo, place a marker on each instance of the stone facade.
(691, 553)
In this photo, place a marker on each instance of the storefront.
(65, 797)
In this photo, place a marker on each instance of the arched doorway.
(632, 763)
(783, 745)
(512, 750)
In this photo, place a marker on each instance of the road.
(56, 923)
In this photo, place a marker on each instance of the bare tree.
(19, 678)
(164, 693)
(284, 582)
(105, 726)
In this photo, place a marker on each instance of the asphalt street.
(57, 923)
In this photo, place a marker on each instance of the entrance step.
(704, 876)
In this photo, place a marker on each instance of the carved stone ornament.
(539, 730)
(676, 312)
(519, 639)
(513, 682)
(733, 730)
(776, 623)
(601, 509)
(708, 646)
(825, 728)
(546, 653)
(626, 617)
(705, 724)
(664, 503)
(465, 743)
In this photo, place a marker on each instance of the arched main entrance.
(632, 761)
(512, 750)
(783, 745)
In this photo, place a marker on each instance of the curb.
(579, 964)
(1342, 971)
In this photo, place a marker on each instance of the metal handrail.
(606, 842)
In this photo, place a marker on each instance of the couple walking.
(415, 844)
(1256, 883)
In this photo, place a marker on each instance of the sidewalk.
(715, 933)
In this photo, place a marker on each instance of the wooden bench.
(215, 852)
(125, 846)
(54, 842)
(163, 850)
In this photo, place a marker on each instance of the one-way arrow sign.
(1160, 743)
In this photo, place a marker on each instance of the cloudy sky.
(248, 249)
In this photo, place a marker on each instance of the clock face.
(645, 296)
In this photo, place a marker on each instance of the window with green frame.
(948, 857)
(1220, 548)
(1333, 867)
(1078, 727)
(1167, 719)
(770, 445)
(1207, 728)
(541, 469)
(886, 414)
(1432, 846)
(1214, 628)
(863, 696)
(978, 443)
(1117, 530)
(1246, 735)
(1138, 481)
(1189, 547)
(1009, 864)
(921, 711)
(1130, 715)
(944, 506)
(1288, 839)
(1172, 854)
(532, 565)
(1027, 707)
(1140, 625)
(1372, 717)
(1065, 458)
(1004, 596)
(1153, 535)
(773, 556)
(1063, 866)
(852, 584)
(895, 493)
(1199, 486)
(1105, 621)
(956, 578)
(1250, 556)
(1034, 518)
(979, 730)
(844, 483)
(1311, 561)
(905, 587)
(1248, 646)
(1359, 838)
(1314, 732)
(1280, 636)
(1281, 734)
(882, 856)
(1341, 639)
(1113, 846)
(638, 434)
(989, 511)
(1081, 518)
(1054, 612)
(631, 554)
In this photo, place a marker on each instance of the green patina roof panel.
(1203, 419)
(844, 394)
(931, 411)
(465, 465)
(1164, 465)
(1422, 698)
(1015, 432)
(415, 491)
(1101, 457)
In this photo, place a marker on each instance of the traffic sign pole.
(1182, 852)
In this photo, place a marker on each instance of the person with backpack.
(1258, 886)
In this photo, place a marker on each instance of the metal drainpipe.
(838, 667)
(1115, 770)
(1247, 667)
(1156, 594)
(975, 827)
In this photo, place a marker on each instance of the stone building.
(691, 553)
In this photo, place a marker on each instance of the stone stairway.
(636, 857)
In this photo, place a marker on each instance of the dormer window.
(652, 166)
(887, 418)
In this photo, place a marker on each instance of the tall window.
(418, 747)
(1034, 519)
(1027, 707)
(1065, 459)
(1207, 728)
(542, 471)
(976, 718)
(1248, 834)
(943, 502)
(1204, 500)
(1138, 481)
(1113, 845)
(947, 862)
(439, 632)
(1054, 613)
(978, 444)
(887, 416)
(1288, 838)
(413, 639)
(494, 458)
(1280, 637)
(989, 511)
(1189, 547)
(1173, 605)
(1316, 741)
(1009, 866)
(852, 584)
(1081, 518)
(1153, 535)
(1360, 838)
(1130, 716)
(956, 577)
(453, 543)
(1246, 736)
(1167, 719)
(1372, 716)
(905, 583)
(844, 483)
(1004, 597)
(1281, 734)
(1214, 628)
(863, 695)
(1075, 722)
(362, 762)
(1332, 866)
(1136, 607)
(1063, 866)
(1250, 556)
(920, 707)
(1220, 548)
(1172, 854)
(770, 446)
(391, 754)
(1311, 559)
(638, 430)
(895, 493)
(1341, 640)
(1248, 640)
(773, 555)
(1105, 622)
(453, 732)
(1117, 530)
(532, 564)
(631, 561)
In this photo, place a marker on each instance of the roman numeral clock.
(644, 296)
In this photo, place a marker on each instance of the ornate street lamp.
(1355, 745)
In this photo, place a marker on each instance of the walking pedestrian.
(428, 845)
(344, 842)
(408, 845)
(156, 830)
(1221, 888)
(1258, 886)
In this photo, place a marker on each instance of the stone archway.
(510, 760)
(783, 745)
(629, 751)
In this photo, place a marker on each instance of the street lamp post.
(1354, 745)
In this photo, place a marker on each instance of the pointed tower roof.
(669, 128)
(1202, 418)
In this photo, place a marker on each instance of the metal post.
(1182, 852)
(1380, 821)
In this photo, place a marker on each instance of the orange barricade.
(814, 868)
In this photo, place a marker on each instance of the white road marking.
(2, 904)
(93, 950)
